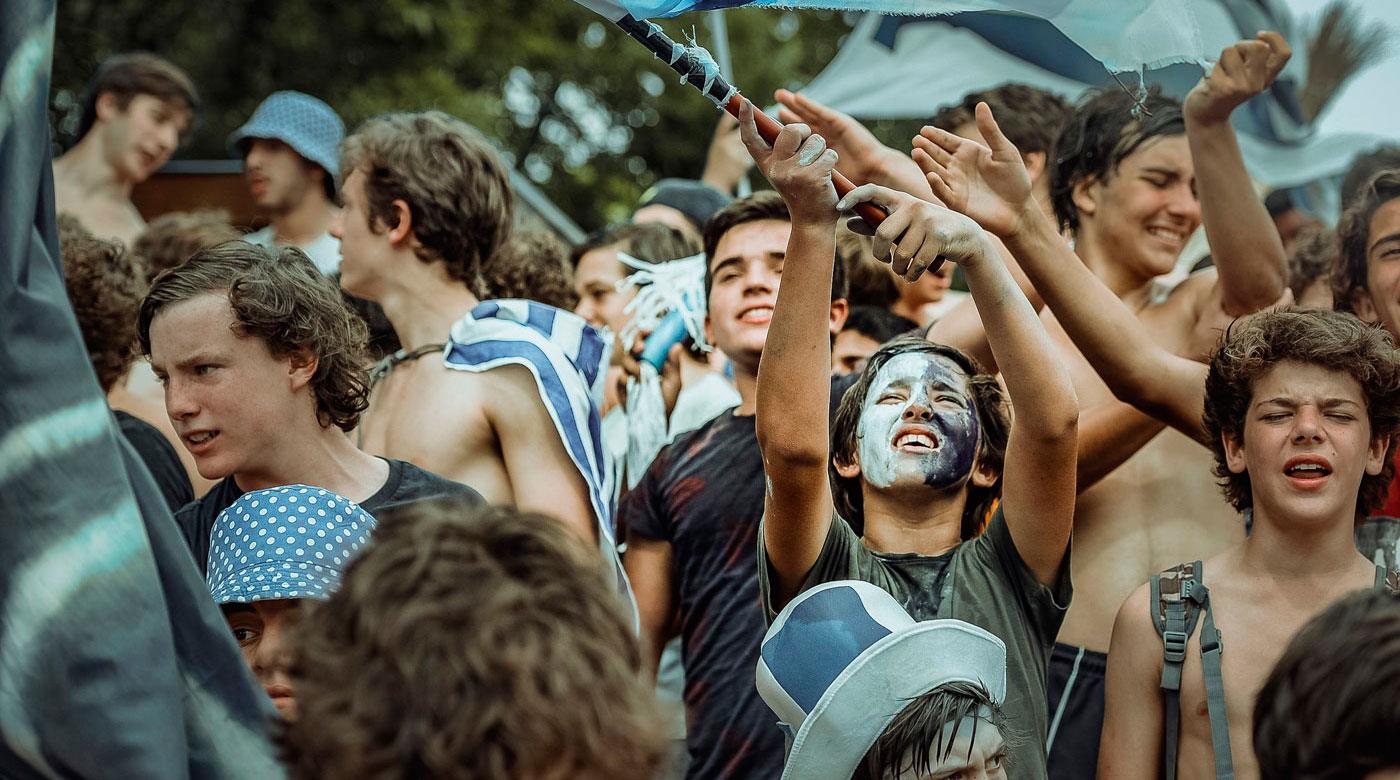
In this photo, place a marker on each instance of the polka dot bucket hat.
(288, 542)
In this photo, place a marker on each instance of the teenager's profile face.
(278, 178)
(363, 252)
(229, 398)
(978, 752)
(1306, 445)
(139, 139)
(1380, 303)
(1143, 213)
(918, 425)
(262, 630)
(595, 281)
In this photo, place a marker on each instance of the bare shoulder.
(1134, 630)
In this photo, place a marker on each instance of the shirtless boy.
(136, 111)
(426, 199)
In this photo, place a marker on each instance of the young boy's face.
(278, 178)
(1380, 302)
(365, 255)
(1142, 214)
(918, 425)
(262, 630)
(1307, 444)
(977, 752)
(595, 280)
(746, 269)
(139, 139)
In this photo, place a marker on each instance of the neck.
(1130, 288)
(746, 382)
(86, 169)
(1284, 550)
(909, 522)
(305, 222)
(325, 458)
(908, 308)
(422, 302)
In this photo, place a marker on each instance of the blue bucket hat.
(288, 542)
(844, 658)
(300, 121)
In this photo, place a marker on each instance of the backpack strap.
(1174, 614)
(1211, 647)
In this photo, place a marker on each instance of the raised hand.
(863, 157)
(917, 234)
(1243, 71)
(798, 164)
(988, 184)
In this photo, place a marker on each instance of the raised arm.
(992, 187)
(794, 375)
(1038, 477)
(1248, 253)
(863, 158)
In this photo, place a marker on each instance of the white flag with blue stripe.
(1125, 35)
(568, 359)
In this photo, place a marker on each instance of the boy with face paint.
(1299, 408)
(920, 443)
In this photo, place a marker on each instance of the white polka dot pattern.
(267, 545)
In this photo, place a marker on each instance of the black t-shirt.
(983, 581)
(406, 484)
(703, 494)
(160, 458)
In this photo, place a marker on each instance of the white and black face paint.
(917, 422)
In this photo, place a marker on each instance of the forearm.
(962, 327)
(794, 372)
(1244, 242)
(1035, 377)
(1109, 434)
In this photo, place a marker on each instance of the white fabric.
(324, 251)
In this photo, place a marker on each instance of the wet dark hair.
(989, 403)
(765, 204)
(1103, 131)
(916, 733)
(878, 324)
(1349, 276)
(1029, 117)
(1335, 341)
(1343, 670)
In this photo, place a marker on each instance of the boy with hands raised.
(922, 444)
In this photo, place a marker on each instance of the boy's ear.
(302, 365)
(847, 470)
(1362, 304)
(1234, 453)
(403, 230)
(1035, 164)
(983, 475)
(1085, 195)
(839, 310)
(1377, 454)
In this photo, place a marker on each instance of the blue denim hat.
(288, 542)
(300, 121)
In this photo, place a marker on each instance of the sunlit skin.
(1380, 301)
(747, 268)
(262, 630)
(360, 249)
(851, 350)
(595, 281)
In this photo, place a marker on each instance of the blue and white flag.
(1124, 35)
(568, 359)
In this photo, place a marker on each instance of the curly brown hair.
(534, 265)
(456, 187)
(105, 284)
(472, 642)
(1336, 341)
(279, 296)
(1349, 275)
(991, 408)
(173, 238)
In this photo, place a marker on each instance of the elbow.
(788, 453)
(1269, 288)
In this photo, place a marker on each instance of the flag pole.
(698, 69)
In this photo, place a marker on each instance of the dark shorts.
(1075, 682)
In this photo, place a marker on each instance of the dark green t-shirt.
(984, 582)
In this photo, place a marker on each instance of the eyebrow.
(725, 263)
(1384, 240)
(1170, 173)
(197, 359)
(237, 608)
(1327, 403)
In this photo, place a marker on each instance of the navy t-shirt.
(703, 494)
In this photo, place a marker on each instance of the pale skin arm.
(962, 327)
(542, 476)
(1038, 478)
(1249, 255)
(794, 384)
(991, 185)
(1130, 747)
(649, 567)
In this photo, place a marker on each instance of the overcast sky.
(1371, 100)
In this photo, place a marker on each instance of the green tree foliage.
(580, 108)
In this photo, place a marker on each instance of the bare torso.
(1256, 617)
(102, 215)
(1160, 508)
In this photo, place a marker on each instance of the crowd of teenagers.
(1072, 522)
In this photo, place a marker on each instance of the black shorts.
(1075, 682)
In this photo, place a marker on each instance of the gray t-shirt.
(984, 582)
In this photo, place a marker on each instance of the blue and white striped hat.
(287, 542)
(844, 658)
(299, 120)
